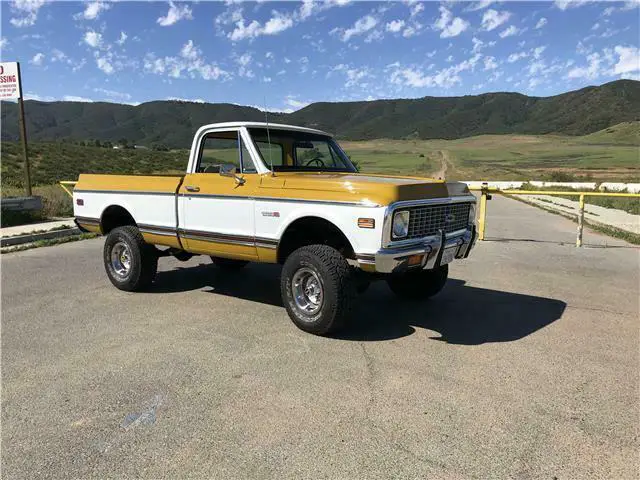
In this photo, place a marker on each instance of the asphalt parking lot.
(526, 366)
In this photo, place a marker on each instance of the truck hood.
(366, 188)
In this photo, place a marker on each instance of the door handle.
(191, 188)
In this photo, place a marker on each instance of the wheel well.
(313, 230)
(115, 216)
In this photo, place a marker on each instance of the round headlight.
(401, 224)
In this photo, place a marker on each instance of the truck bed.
(150, 199)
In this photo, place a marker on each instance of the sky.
(285, 55)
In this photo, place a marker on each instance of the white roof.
(276, 126)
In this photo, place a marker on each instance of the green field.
(610, 155)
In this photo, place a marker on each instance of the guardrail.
(486, 191)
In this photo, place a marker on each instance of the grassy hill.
(626, 133)
(173, 123)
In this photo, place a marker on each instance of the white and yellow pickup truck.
(256, 192)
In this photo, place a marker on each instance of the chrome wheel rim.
(121, 259)
(307, 291)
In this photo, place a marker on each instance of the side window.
(274, 155)
(218, 148)
(247, 163)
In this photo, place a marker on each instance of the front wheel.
(317, 289)
(131, 264)
(419, 284)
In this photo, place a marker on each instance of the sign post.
(11, 88)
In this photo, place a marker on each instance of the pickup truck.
(257, 192)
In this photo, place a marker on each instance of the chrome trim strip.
(127, 192)
(278, 199)
(88, 220)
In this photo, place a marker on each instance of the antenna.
(266, 119)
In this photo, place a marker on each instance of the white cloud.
(93, 10)
(242, 32)
(514, 57)
(628, 60)
(449, 25)
(291, 101)
(37, 59)
(74, 98)
(278, 23)
(112, 94)
(93, 39)
(490, 63)
(565, 4)
(541, 23)
(537, 52)
(190, 62)
(590, 71)
(266, 79)
(361, 26)
(105, 65)
(189, 100)
(122, 39)
(410, 31)
(26, 11)
(268, 55)
(416, 9)
(445, 78)
(492, 19)
(175, 14)
(3, 42)
(509, 32)
(395, 26)
(482, 4)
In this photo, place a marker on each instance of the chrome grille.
(426, 220)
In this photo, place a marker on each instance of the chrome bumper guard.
(396, 259)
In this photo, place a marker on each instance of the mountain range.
(173, 123)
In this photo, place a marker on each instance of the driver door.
(218, 211)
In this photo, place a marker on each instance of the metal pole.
(580, 221)
(482, 214)
(23, 134)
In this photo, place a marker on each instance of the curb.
(30, 238)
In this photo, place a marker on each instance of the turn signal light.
(367, 223)
(415, 259)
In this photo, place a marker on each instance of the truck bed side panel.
(150, 200)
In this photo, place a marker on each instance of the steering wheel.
(318, 162)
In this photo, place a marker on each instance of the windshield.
(289, 150)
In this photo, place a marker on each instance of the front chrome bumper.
(396, 259)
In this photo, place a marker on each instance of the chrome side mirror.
(230, 170)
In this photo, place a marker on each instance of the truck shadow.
(460, 314)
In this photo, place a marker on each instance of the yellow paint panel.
(161, 240)
(267, 255)
(226, 250)
(133, 183)
(90, 228)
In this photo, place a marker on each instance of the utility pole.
(23, 134)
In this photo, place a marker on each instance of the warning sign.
(9, 82)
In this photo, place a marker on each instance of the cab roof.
(275, 126)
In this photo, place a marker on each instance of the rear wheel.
(419, 284)
(131, 264)
(228, 263)
(317, 289)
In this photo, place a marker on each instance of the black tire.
(338, 289)
(228, 263)
(419, 284)
(142, 259)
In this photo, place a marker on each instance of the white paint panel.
(219, 215)
(345, 217)
(144, 208)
